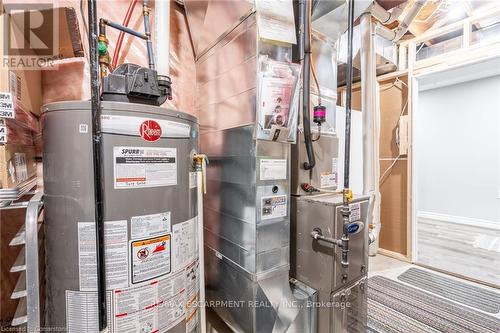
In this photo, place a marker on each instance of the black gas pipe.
(347, 197)
(97, 158)
(316, 233)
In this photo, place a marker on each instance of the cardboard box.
(11, 132)
(24, 84)
(17, 164)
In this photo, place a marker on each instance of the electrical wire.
(383, 177)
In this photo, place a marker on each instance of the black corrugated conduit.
(306, 84)
(97, 158)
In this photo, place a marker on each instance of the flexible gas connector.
(200, 163)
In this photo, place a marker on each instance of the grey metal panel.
(246, 257)
(68, 185)
(331, 19)
(324, 59)
(210, 20)
(256, 303)
(239, 46)
(325, 149)
(231, 199)
(352, 318)
(226, 80)
(228, 143)
(235, 81)
(318, 263)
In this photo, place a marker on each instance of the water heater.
(150, 215)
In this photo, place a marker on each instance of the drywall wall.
(456, 140)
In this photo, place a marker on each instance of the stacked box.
(17, 164)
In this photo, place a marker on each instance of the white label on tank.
(184, 244)
(116, 255)
(81, 314)
(192, 295)
(355, 212)
(150, 258)
(139, 167)
(83, 128)
(146, 226)
(156, 306)
(273, 207)
(272, 169)
(335, 170)
(193, 180)
(131, 126)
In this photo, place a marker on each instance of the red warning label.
(150, 258)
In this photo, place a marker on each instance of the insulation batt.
(182, 61)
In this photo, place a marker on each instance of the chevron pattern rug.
(394, 307)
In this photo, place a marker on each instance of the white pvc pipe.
(409, 17)
(162, 40)
(395, 35)
(201, 257)
(384, 16)
(371, 124)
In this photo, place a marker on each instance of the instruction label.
(355, 212)
(81, 311)
(335, 170)
(273, 169)
(193, 180)
(152, 307)
(192, 295)
(146, 226)
(139, 167)
(185, 244)
(150, 258)
(6, 105)
(274, 207)
(116, 256)
(328, 179)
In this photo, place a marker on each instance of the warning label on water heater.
(139, 167)
(150, 258)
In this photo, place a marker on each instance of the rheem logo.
(150, 130)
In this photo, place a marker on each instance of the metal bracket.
(35, 205)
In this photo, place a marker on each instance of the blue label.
(354, 227)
